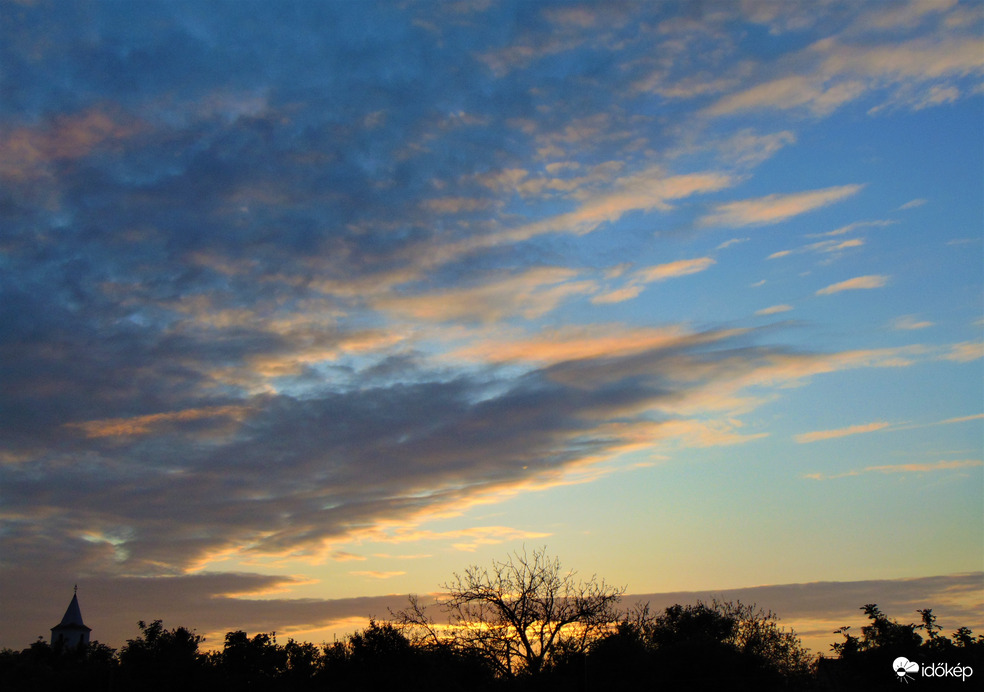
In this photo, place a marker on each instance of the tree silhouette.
(258, 660)
(161, 659)
(721, 645)
(862, 661)
(518, 614)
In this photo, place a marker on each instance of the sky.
(305, 306)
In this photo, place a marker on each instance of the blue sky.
(306, 305)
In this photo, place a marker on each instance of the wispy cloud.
(910, 323)
(840, 432)
(662, 272)
(774, 310)
(143, 425)
(964, 419)
(857, 283)
(733, 241)
(851, 227)
(576, 342)
(931, 467)
(775, 208)
(645, 191)
(343, 556)
(830, 73)
(966, 352)
(531, 294)
(655, 274)
(827, 246)
(376, 574)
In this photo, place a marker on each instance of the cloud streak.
(930, 467)
(857, 283)
(773, 209)
(819, 435)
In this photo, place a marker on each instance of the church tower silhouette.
(71, 632)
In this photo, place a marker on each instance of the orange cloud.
(645, 191)
(965, 352)
(902, 468)
(455, 205)
(662, 272)
(963, 419)
(654, 274)
(28, 150)
(618, 296)
(859, 282)
(575, 342)
(805, 438)
(342, 556)
(910, 323)
(774, 310)
(142, 425)
(775, 208)
(531, 294)
(375, 574)
(842, 72)
(472, 537)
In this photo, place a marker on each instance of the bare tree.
(517, 614)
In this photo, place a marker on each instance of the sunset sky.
(305, 306)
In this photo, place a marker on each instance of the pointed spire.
(73, 615)
(71, 631)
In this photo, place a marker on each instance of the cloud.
(964, 419)
(910, 323)
(840, 69)
(375, 574)
(618, 295)
(455, 205)
(577, 342)
(774, 310)
(343, 556)
(530, 294)
(733, 241)
(775, 208)
(302, 474)
(965, 352)
(648, 190)
(790, 92)
(143, 425)
(931, 467)
(912, 204)
(662, 272)
(925, 468)
(30, 151)
(904, 14)
(655, 274)
(859, 282)
(827, 246)
(841, 432)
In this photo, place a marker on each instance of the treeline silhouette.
(522, 625)
(726, 646)
(718, 646)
